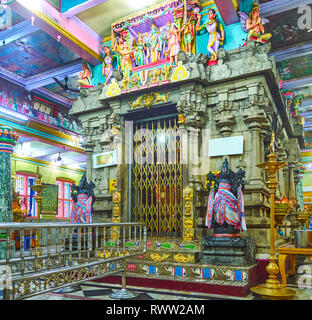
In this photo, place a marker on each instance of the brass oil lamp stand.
(38, 187)
(272, 289)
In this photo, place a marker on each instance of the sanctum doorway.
(156, 177)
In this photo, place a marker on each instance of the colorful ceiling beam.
(292, 52)
(82, 7)
(53, 96)
(298, 83)
(45, 78)
(63, 29)
(227, 11)
(46, 134)
(277, 6)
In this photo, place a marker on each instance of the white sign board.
(226, 146)
(105, 159)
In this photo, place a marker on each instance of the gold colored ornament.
(272, 289)
(113, 89)
(180, 73)
(154, 74)
(166, 71)
(182, 259)
(156, 257)
(148, 100)
(188, 224)
(159, 98)
(181, 118)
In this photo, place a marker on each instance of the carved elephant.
(169, 269)
(236, 275)
(206, 273)
(150, 269)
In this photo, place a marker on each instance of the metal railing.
(41, 257)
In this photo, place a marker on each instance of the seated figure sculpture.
(225, 211)
(83, 197)
(252, 24)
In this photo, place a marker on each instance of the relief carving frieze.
(192, 104)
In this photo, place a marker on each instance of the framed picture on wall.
(49, 204)
(105, 159)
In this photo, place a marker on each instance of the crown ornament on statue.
(235, 179)
(255, 6)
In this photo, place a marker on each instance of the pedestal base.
(229, 251)
(122, 294)
(267, 293)
(68, 289)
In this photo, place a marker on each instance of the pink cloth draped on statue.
(226, 207)
(81, 210)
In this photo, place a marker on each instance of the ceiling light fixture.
(15, 115)
(59, 158)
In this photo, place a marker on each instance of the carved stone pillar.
(225, 123)
(292, 187)
(253, 121)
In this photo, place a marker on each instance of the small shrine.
(176, 120)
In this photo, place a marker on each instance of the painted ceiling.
(36, 53)
(72, 84)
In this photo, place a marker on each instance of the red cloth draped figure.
(83, 197)
(225, 210)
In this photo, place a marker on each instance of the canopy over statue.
(225, 211)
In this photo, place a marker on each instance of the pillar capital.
(8, 139)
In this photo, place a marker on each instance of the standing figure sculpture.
(83, 197)
(216, 34)
(173, 44)
(140, 49)
(126, 60)
(225, 211)
(117, 47)
(108, 68)
(188, 35)
(154, 39)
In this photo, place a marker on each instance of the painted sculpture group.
(155, 38)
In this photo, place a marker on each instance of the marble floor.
(101, 291)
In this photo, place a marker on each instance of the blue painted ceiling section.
(68, 4)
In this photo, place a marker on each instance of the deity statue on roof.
(140, 48)
(107, 70)
(117, 47)
(216, 34)
(127, 56)
(154, 39)
(188, 28)
(173, 43)
(85, 75)
(253, 25)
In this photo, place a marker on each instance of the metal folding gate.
(156, 177)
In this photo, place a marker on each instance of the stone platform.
(239, 251)
(176, 264)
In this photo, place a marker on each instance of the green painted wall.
(49, 173)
